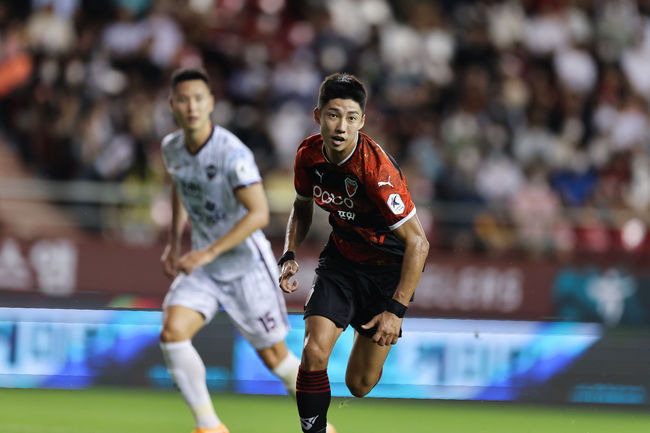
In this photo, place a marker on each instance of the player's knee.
(172, 333)
(359, 386)
(314, 357)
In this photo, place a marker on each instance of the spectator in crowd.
(505, 84)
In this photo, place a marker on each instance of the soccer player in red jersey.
(368, 271)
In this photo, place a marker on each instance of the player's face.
(340, 121)
(192, 104)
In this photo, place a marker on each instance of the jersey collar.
(198, 149)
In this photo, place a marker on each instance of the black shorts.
(348, 293)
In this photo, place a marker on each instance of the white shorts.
(254, 301)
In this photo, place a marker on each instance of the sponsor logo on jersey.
(396, 204)
(211, 171)
(322, 196)
(213, 214)
(347, 215)
(190, 188)
(350, 186)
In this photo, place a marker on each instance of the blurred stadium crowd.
(519, 124)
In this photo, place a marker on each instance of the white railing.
(111, 206)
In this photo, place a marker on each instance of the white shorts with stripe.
(254, 301)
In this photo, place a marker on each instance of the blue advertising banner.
(48, 348)
(445, 359)
(550, 362)
(70, 348)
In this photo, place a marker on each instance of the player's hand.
(193, 260)
(169, 261)
(289, 269)
(388, 326)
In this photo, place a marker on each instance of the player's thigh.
(366, 360)
(321, 334)
(257, 308)
(180, 323)
(190, 302)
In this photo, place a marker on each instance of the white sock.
(287, 370)
(188, 371)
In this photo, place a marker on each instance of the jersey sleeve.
(242, 170)
(386, 187)
(166, 149)
(301, 181)
(165, 158)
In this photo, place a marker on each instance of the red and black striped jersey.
(366, 197)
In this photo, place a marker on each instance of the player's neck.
(338, 157)
(195, 140)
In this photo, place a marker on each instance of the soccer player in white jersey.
(231, 265)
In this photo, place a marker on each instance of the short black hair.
(187, 74)
(342, 85)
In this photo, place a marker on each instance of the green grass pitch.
(119, 410)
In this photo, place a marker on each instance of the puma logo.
(385, 183)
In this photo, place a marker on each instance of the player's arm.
(257, 217)
(417, 248)
(415, 255)
(172, 249)
(298, 226)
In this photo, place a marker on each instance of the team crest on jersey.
(351, 186)
(211, 171)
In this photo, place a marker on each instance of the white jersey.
(206, 182)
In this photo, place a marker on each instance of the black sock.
(313, 397)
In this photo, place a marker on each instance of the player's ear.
(317, 115)
(363, 120)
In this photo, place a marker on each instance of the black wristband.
(288, 255)
(396, 308)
